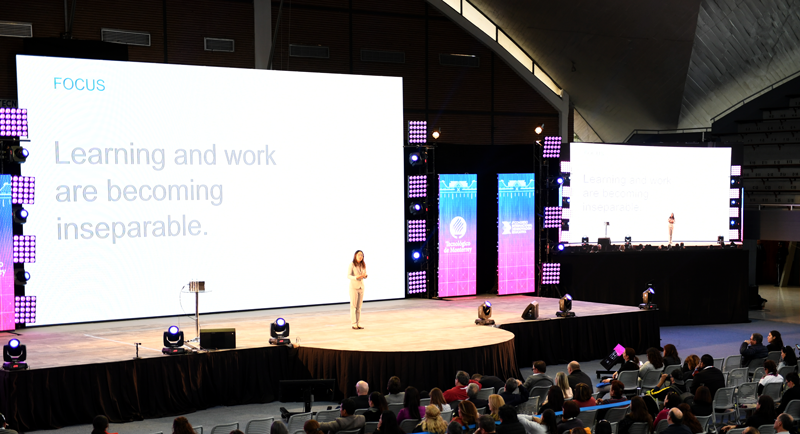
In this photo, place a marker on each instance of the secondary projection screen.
(261, 183)
(636, 189)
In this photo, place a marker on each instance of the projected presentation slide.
(635, 190)
(458, 215)
(516, 246)
(261, 183)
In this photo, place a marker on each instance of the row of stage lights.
(417, 192)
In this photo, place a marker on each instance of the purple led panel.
(552, 147)
(23, 189)
(734, 193)
(24, 249)
(417, 132)
(24, 309)
(552, 217)
(13, 122)
(416, 231)
(566, 167)
(736, 170)
(417, 282)
(418, 186)
(551, 273)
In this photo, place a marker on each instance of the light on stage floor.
(173, 341)
(565, 307)
(648, 296)
(279, 330)
(485, 314)
(14, 355)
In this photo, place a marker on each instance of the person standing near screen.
(357, 272)
(671, 224)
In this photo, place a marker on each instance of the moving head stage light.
(565, 306)
(173, 341)
(647, 298)
(280, 332)
(485, 314)
(14, 355)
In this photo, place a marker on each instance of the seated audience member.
(278, 427)
(788, 357)
(454, 428)
(467, 414)
(485, 425)
(690, 366)
(562, 381)
(377, 406)
(774, 341)
(472, 396)
(539, 378)
(532, 424)
(753, 430)
(629, 364)
(671, 355)
(554, 400)
(752, 349)
(671, 401)
(395, 393)
(387, 424)
(675, 385)
(437, 399)
(603, 427)
(495, 403)
(784, 423)
(638, 413)
(690, 420)
(489, 381)
(411, 408)
(654, 362)
(509, 423)
(701, 405)
(764, 415)
(99, 425)
(770, 376)
(347, 420)
(583, 396)
(550, 421)
(180, 425)
(362, 395)
(312, 427)
(569, 417)
(4, 426)
(433, 422)
(578, 430)
(236, 431)
(676, 425)
(708, 375)
(577, 376)
(459, 391)
(792, 391)
(511, 398)
(617, 393)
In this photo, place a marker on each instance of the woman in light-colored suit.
(356, 272)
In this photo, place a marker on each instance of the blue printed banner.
(458, 215)
(516, 235)
(6, 256)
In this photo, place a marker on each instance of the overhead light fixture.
(20, 214)
(416, 208)
(417, 256)
(173, 341)
(565, 307)
(485, 314)
(647, 298)
(531, 312)
(539, 129)
(436, 133)
(21, 277)
(14, 355)
(279, 330)
(415, 158)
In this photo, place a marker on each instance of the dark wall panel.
(312, 26)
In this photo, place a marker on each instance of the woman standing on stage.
(671, 224)
(356, 272)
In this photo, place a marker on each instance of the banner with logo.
(516, 237)
(458, 211)
(6, 256)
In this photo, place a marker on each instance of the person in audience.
(784, 423)
(676, 425)
(99, 425)
(690, 420)
(788, 357)
(4, 426)
(459, 391)
(792, 391)
(347, 420)
(377, 406)
(485, 425)
(654, 362)
(437, 399)
(770, 376)
(509, 422)
(671, 355)
(180, 425)
(411, 408)
(583, 396)
(671, 401)
(362, 395)
(690, 366)
(454, 428)
(752, 430)
(532, 424)
(617, 394)
(236, 431)
(577, 376)
(562, 381)
(395, 393)
(554, 400)
(387, 424)
(550, 421)
(675, 385)
(278, 427)
(638, 413)
(764, 415)
(569, 417)
(708, 375)
(578, 430)
(539, 378)
(511, 398)
(774, 341)
(472, 396)
(603, 427)
(495, 402)
(701, 404)
(629, 364)
(753, 349)
(467, 414)
(489, 381)
(312, 427)
(433, 422)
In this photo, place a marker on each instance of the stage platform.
(79, 371)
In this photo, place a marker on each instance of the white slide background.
(282, 234)
(636, 188)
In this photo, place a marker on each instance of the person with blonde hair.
(433, 422)
(495, 402)
(562, 381)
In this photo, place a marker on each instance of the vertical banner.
(458, 215)
(6, 256)
(516, 237)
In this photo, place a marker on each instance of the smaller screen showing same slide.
(458, 202)
(516, 234)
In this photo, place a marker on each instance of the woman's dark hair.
(278, 427)
(631, 353)
(639, 411)
(389, 423)
(310, 427)
(394, 385)
(468, 412)
(437, 398)
(770, 367)
(655, 359)
(356, 263)
(549, 420)
(703, 395)
(766, 408)
(603, 427)
(672, 400)
(789, 357)
(454, 428)
(776, 338)
(181, 425)
(689, 419)
(99, 424)
(671, 351)
(411, 402)
(582, 392)
(378, 401)
(617, 389)
(555, 397)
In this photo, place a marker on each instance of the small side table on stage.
(196, 288)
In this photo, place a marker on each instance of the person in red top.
(100, 425)
(459, 391)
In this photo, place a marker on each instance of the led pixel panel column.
(516, 235)
(458, 211)
(6, 256)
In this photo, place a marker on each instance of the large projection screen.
(263, 184)
(636, 189)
